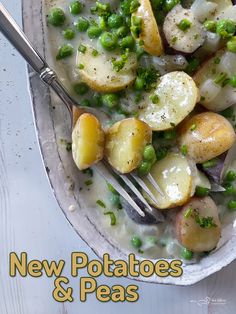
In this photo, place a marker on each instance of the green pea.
(230, 176)
(125, 7)
(210, 26)
(136, 242)
(122, 31)
(149, 153)
(68, 34)
(231, 44)
(56, 17)
(232, 205)
(229, 190)
(82, 24)
(115, 21)
(186, 254)
(225, 28)
(94, 32)
(81, 88)
(139, 83)
(64, 52)
(201, 191)
(127, 42)
(76, 7)
(169, 4)
(144, 168)
(109, 41)
(110, 100)
(184, 25)
(232, 81)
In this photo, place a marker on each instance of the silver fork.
(19, 40)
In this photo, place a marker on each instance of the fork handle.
(15, 35)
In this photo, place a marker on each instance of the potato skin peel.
(125, 143)
(150, 32)
(212, 136)
(88, 140)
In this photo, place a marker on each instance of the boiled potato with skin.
(206, 136)
(99, 74)
(178, 96)
(152, 42)
(88, 141)
(173, 175)
(191, 234)
(125, 143)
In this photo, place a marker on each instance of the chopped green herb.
(193, 127)
(68, 147)
(112, 217)
(101, 9)
(188, 212)
(149, 77)
(118, 65)
(174, 39)
(201, 191)
(184, 150)
(101, 203)
(88, 182)
(210, 25)
(220, 79)
(217, 60)
(210, 163)
(136, 26)
(82, 48)
(204, 222)
(232, 81)
(154, 99)
(95, 52)
(81, 66)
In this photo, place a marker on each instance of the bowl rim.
(32, 17)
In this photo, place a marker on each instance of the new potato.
(152, 42)
(88, 140)
(178, 95)
(211, 136)
(190, 234)
(173, 176)
(99, 74)
(125, 142)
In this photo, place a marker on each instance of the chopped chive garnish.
(184, 150)
(82, 48)
(81, 66)
(193, 127)
(220, 79)
(101, 203)
(88, 182)
(94, 52)
(154, 99)
(112, 217)
(210, 163)
(188, 212)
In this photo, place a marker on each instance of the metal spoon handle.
(15, 35)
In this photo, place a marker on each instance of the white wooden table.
(31, 221)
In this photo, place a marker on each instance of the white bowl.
(54, 124)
